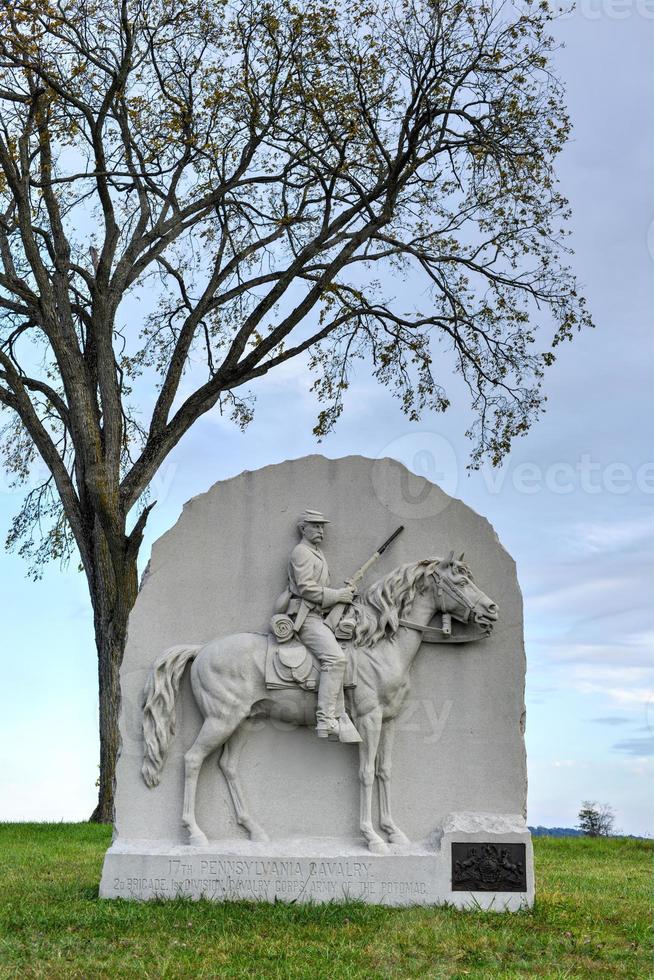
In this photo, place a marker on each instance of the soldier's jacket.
(308, 579)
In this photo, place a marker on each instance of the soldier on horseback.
(308, 600)
(228, 674)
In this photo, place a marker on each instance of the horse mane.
(380, 608)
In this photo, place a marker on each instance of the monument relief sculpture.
(322, 639)
(259, 765)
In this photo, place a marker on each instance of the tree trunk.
(113, 593)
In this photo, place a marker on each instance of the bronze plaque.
(486, 867)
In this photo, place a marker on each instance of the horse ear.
(462, 554)
(450, 558)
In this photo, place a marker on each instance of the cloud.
(641, 766)
(596, 569)
(615, 655)
(611, 720)
(625, 686)
(619, 695)
(588, 606)
(639, 747)
(579, 595)
(610, 537)
(617, 674)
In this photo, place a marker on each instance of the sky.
(572, 504)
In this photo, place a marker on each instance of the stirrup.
(346, 731)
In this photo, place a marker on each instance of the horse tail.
(159, 711)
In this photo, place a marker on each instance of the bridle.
(434, 634)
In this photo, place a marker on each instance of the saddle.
(290, 664)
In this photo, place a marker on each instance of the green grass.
(591, 918)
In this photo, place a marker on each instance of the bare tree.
(243, 169)
(596, 819)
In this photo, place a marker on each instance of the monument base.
(474, 862)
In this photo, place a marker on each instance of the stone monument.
(343, 723)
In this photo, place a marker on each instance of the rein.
(432, 634)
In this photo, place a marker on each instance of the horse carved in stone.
(228, 684)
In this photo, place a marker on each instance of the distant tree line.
(541, 831)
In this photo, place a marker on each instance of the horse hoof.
(397, 837)
(198, 840)
(377, 847)
(258, 836)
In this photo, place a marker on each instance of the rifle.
(337, 611)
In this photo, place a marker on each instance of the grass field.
(591, 918)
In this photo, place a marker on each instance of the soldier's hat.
(313, 517)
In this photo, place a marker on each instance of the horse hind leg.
(229, 766)
(212, 735)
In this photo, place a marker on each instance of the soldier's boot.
(332, 719)
(329, 690)
(346, 731)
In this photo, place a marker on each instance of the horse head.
(439, 585)
(457, 594)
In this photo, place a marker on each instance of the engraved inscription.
(483, 867)
(270, 880)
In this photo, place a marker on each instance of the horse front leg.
(384, 767)
(369, 727)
